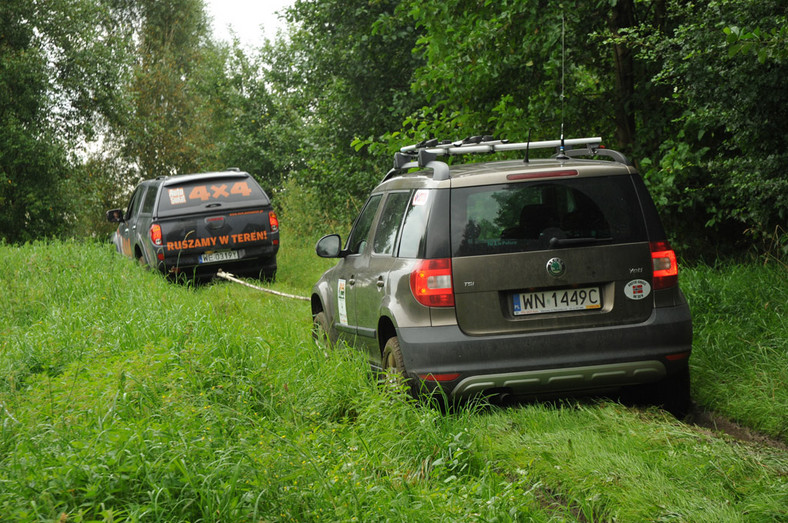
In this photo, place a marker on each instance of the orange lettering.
(241, 188)
(219, 191)
(199, 193)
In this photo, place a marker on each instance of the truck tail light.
(273, 220)
(155, 235)
(666, 269)
(430, 283)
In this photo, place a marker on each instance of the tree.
(345, 71)
(719, 172)
(60, 64)
(169, 129)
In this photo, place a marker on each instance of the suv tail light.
(273, 220)
(155, 234)
(430, 283)
(666, 269)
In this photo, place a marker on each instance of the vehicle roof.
(487, 173)
(186, 178)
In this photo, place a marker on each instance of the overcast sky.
(245, 17)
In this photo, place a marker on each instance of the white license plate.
(556, 301)
(220, 256)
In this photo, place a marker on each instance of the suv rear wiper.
(576, 242)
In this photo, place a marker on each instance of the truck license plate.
(219, 256)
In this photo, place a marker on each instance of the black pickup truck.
(195, 224)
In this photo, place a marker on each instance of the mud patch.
(716, 424)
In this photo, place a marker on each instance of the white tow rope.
(230, 277)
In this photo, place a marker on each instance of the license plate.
(556, 301)
(220, 256)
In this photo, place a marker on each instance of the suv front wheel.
(320, 331)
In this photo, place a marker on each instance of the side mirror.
(115, 216)
(329, 246)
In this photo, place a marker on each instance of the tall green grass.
(740, 358)
(125, 397)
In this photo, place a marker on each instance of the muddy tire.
(393, 367)
(321, 330)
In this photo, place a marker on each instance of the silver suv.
(517, 277)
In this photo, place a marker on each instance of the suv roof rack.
(425, 154)
(489, 144)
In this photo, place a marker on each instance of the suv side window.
(358, 236)
(414, 228)
(390, 220)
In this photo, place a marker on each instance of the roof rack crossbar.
(476, 145)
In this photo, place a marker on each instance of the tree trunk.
(623, 16)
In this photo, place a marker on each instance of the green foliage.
(343, 73)
(766, 45)
(169, 130)
(93, 189)
(740, 357)
(719, 166)
(60, 64)
(123, 396)
(303, 215)
(496, 68)
(264, 132)
(687, 90)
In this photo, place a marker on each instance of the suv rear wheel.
(394, 365)
(671, 393)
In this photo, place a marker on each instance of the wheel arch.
(317, 304)
(386, 330)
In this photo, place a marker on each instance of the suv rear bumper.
(553, 361)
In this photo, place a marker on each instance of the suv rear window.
(221, 190)
(527, 216)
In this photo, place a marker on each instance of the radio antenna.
(563, 75)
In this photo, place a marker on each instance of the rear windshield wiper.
(576, 242)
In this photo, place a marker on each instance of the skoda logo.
(556, 267)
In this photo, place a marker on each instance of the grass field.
(125, 397)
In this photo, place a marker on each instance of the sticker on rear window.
(637, 289)
(177, 196)
(420, 198)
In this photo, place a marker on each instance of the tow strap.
(232, 278)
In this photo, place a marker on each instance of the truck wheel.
(141, 261)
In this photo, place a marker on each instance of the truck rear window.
(197, 193)
(532, 216)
